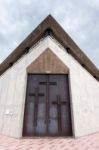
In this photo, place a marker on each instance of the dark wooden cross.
(47, 117)
(36, 94)
(59, 103)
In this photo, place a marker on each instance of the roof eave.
(61, 36)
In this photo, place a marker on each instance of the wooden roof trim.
(61, 36)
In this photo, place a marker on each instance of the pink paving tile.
(90, 142)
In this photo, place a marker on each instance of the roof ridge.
(61, 36)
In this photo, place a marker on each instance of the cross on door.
(59, 103)
(47, 83)
(36, 94)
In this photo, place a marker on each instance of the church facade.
(48, 87)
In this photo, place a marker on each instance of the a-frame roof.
(50, 26)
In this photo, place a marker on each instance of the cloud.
(0, 61)
(78, 18)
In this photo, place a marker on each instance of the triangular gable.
(50, 27)
(48, 62)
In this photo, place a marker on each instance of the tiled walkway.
(90, 142)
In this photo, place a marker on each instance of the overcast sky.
(79, 18)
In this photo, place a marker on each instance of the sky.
(79, 18)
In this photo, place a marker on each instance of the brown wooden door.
(47, 108)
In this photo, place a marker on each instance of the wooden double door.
(47, 107)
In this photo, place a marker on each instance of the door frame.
(70, 99)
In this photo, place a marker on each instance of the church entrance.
(47, 107)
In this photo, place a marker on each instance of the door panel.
(47, 109)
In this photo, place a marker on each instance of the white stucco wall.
(83, 92)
